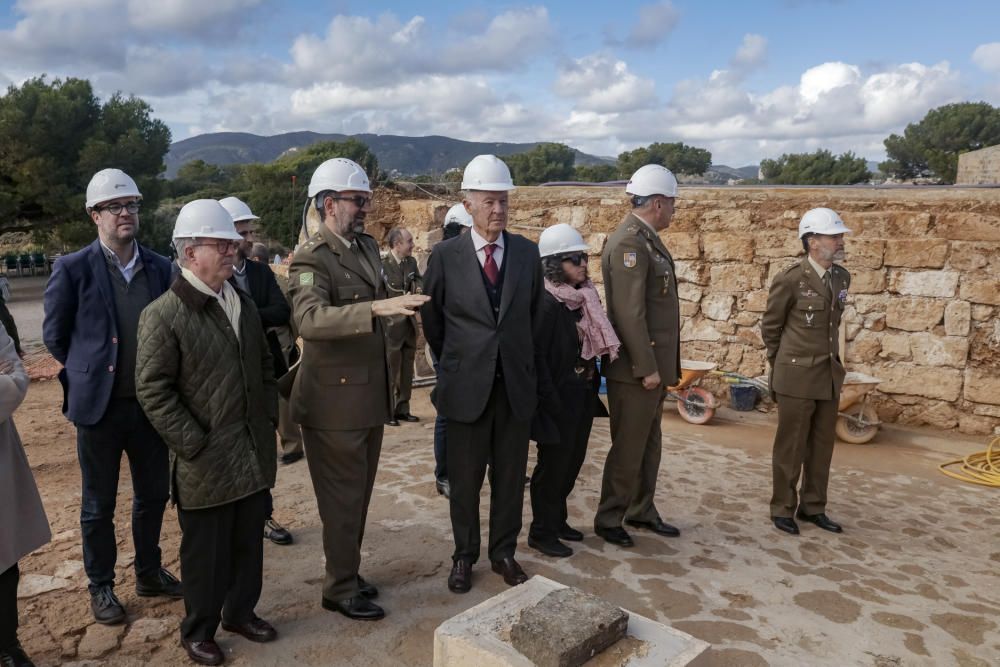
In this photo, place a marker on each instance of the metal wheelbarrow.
(695, 405)
(858, 422)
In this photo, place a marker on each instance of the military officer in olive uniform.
(800, 331)
(402, 277)
(340, 393)
(641, 291)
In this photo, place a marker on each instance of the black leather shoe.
(392, 422)
(287, 459)
(106, 606)
(366, 589)
(786, 524)
(406, 417)
(821, 520)
(161, 584)
(570, 534)
(204, 653)
(460, 579)
(617, 536)
(276, 533)
(657, 525)
(511, 572)
(550, 547)
(358, 608)
(443, 487)
(14, 656)
(256, 629)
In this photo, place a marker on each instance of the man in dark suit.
(486, 290)
(92, 305)
(402, 276)
(257, 281)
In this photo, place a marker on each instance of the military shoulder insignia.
(630, 260)
(306, 278)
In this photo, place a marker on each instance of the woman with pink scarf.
(574, 332)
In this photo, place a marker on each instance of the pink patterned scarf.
(596, 333)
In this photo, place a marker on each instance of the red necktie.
(489, 266)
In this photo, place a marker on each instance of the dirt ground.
(912, 581)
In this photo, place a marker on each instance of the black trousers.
(559, 463)
(123, 428)
(500, 439)
(8, 606)
(222, 563)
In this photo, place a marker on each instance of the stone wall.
(980, 167)
(923, 310)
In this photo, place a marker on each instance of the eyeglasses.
(577, 258)
(222, 245)
(116, 209)
(359, 200)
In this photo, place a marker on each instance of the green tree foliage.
(54, 136)
(543, 163)
(677, 157)
(819, 168)
(198, 177)
(934, 144)
(595, 173)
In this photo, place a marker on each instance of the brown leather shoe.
(510, 570)
(256, 629)
(460, 579)
(204, 653)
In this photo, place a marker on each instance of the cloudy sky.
(747, 80)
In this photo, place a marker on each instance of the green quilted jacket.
(212, 398)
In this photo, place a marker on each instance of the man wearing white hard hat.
(340, 392)
(640, 285)
(486, 289)
(800, 331)
(258, 282)
(206, 380)
(92, 305)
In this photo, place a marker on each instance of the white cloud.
(603, 84)
(653, 24)
(189, 17)
(987, 57)
(751, 54)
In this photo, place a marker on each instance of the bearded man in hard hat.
(402, 276)
(206, 380)
(92, 305)
(258, 282)
(800, 331)
(640, 285)
(341, 394)
(486, 289)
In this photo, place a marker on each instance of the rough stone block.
(944, 384)
(957, 318)
(689, 292)
(975, 424)
(968, 227)
(718, 306)
(865, 347)
(689, 308)
(864, 253)
(31, 585)
(986, 410)
(100, 640)
(566, 628)
(923, 283)
(931, 350)
(971, 255)
(727, 328)
(692, 271)
(700, 329)
(982, 290)
(909, 225)
(865, 303)
(736, 277)
(574, 216)
(416, 212)
(868, 281)
(683, 245)
(982, 385)
(895, 346)
(934, 413)
(777, 244)
(916, 253)
(755, 301)
(146, 630)
(746, 318)
(870, 224)
(914, 313)
(596, 244)
(981, 313)
(727, 247)
(740, 220)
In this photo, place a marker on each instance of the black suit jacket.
(468, 339)
(272, 306)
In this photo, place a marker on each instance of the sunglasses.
(116, 209)
(577, 258)
(359, 200)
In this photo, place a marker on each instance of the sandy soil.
(912, 581)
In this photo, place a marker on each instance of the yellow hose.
(981, 468)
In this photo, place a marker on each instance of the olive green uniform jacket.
(402, 277)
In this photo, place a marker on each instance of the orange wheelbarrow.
(858, 422)
(695, 404)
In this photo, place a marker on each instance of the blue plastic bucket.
(742, 397)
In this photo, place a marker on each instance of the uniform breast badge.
(630, 260)
(809, 319)
(306, 278)
(842, 297)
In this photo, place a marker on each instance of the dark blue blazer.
(81, 329)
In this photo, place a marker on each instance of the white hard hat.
(652, 179)
(487, 172)
(821, 221)
(457, 213)
(205, 218)
(338, 174)
(238, 209)
(560, 238)
(108, 184)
